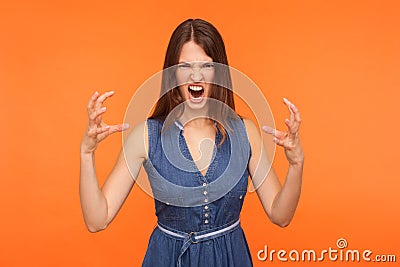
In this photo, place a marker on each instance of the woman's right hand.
(97, 129)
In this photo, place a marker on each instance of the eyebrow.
(204, 61)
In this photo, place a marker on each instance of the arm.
(278, 202)
(100, 205)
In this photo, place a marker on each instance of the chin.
(196, 105)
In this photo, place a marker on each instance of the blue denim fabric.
(227, 250)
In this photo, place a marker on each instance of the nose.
(196, 74)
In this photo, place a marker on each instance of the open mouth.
(196, 92)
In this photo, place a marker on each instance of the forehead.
(193, 52)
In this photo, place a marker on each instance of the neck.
(196, 118)
(199, 123)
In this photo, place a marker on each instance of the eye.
(208, 65)
(183, 65)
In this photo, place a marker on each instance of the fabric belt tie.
(196, 237)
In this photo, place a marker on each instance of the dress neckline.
(212, 165)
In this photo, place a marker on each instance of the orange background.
(338, 61)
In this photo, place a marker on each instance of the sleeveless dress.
(228, 249)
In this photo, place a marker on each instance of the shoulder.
(251, 128)
(253, 133)
(137, 139)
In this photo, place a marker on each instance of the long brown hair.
(206, 36)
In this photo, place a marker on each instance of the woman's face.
(194, 72)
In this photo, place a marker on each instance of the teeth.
(195, 88)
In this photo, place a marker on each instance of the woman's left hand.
(289, 140)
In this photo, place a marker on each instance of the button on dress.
(228, 250)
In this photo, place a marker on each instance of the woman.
(200, 234)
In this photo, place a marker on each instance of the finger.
(281, 135)
(91, 101)
(94, 116)
(274, 132)
(122, 127)
(268, 130)
(296, 113)
(103, 97)
(297, 118)
(291, 126)
(280, 142)
(113, 129)
(103, 129)
(288, 104)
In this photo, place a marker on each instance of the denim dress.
(227, 249)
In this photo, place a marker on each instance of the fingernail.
(103, 109)
(112, 92)
(287, 121)
(125, 126)
(285, 100)
(107, 127)
(95, 94)
(275, 140)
